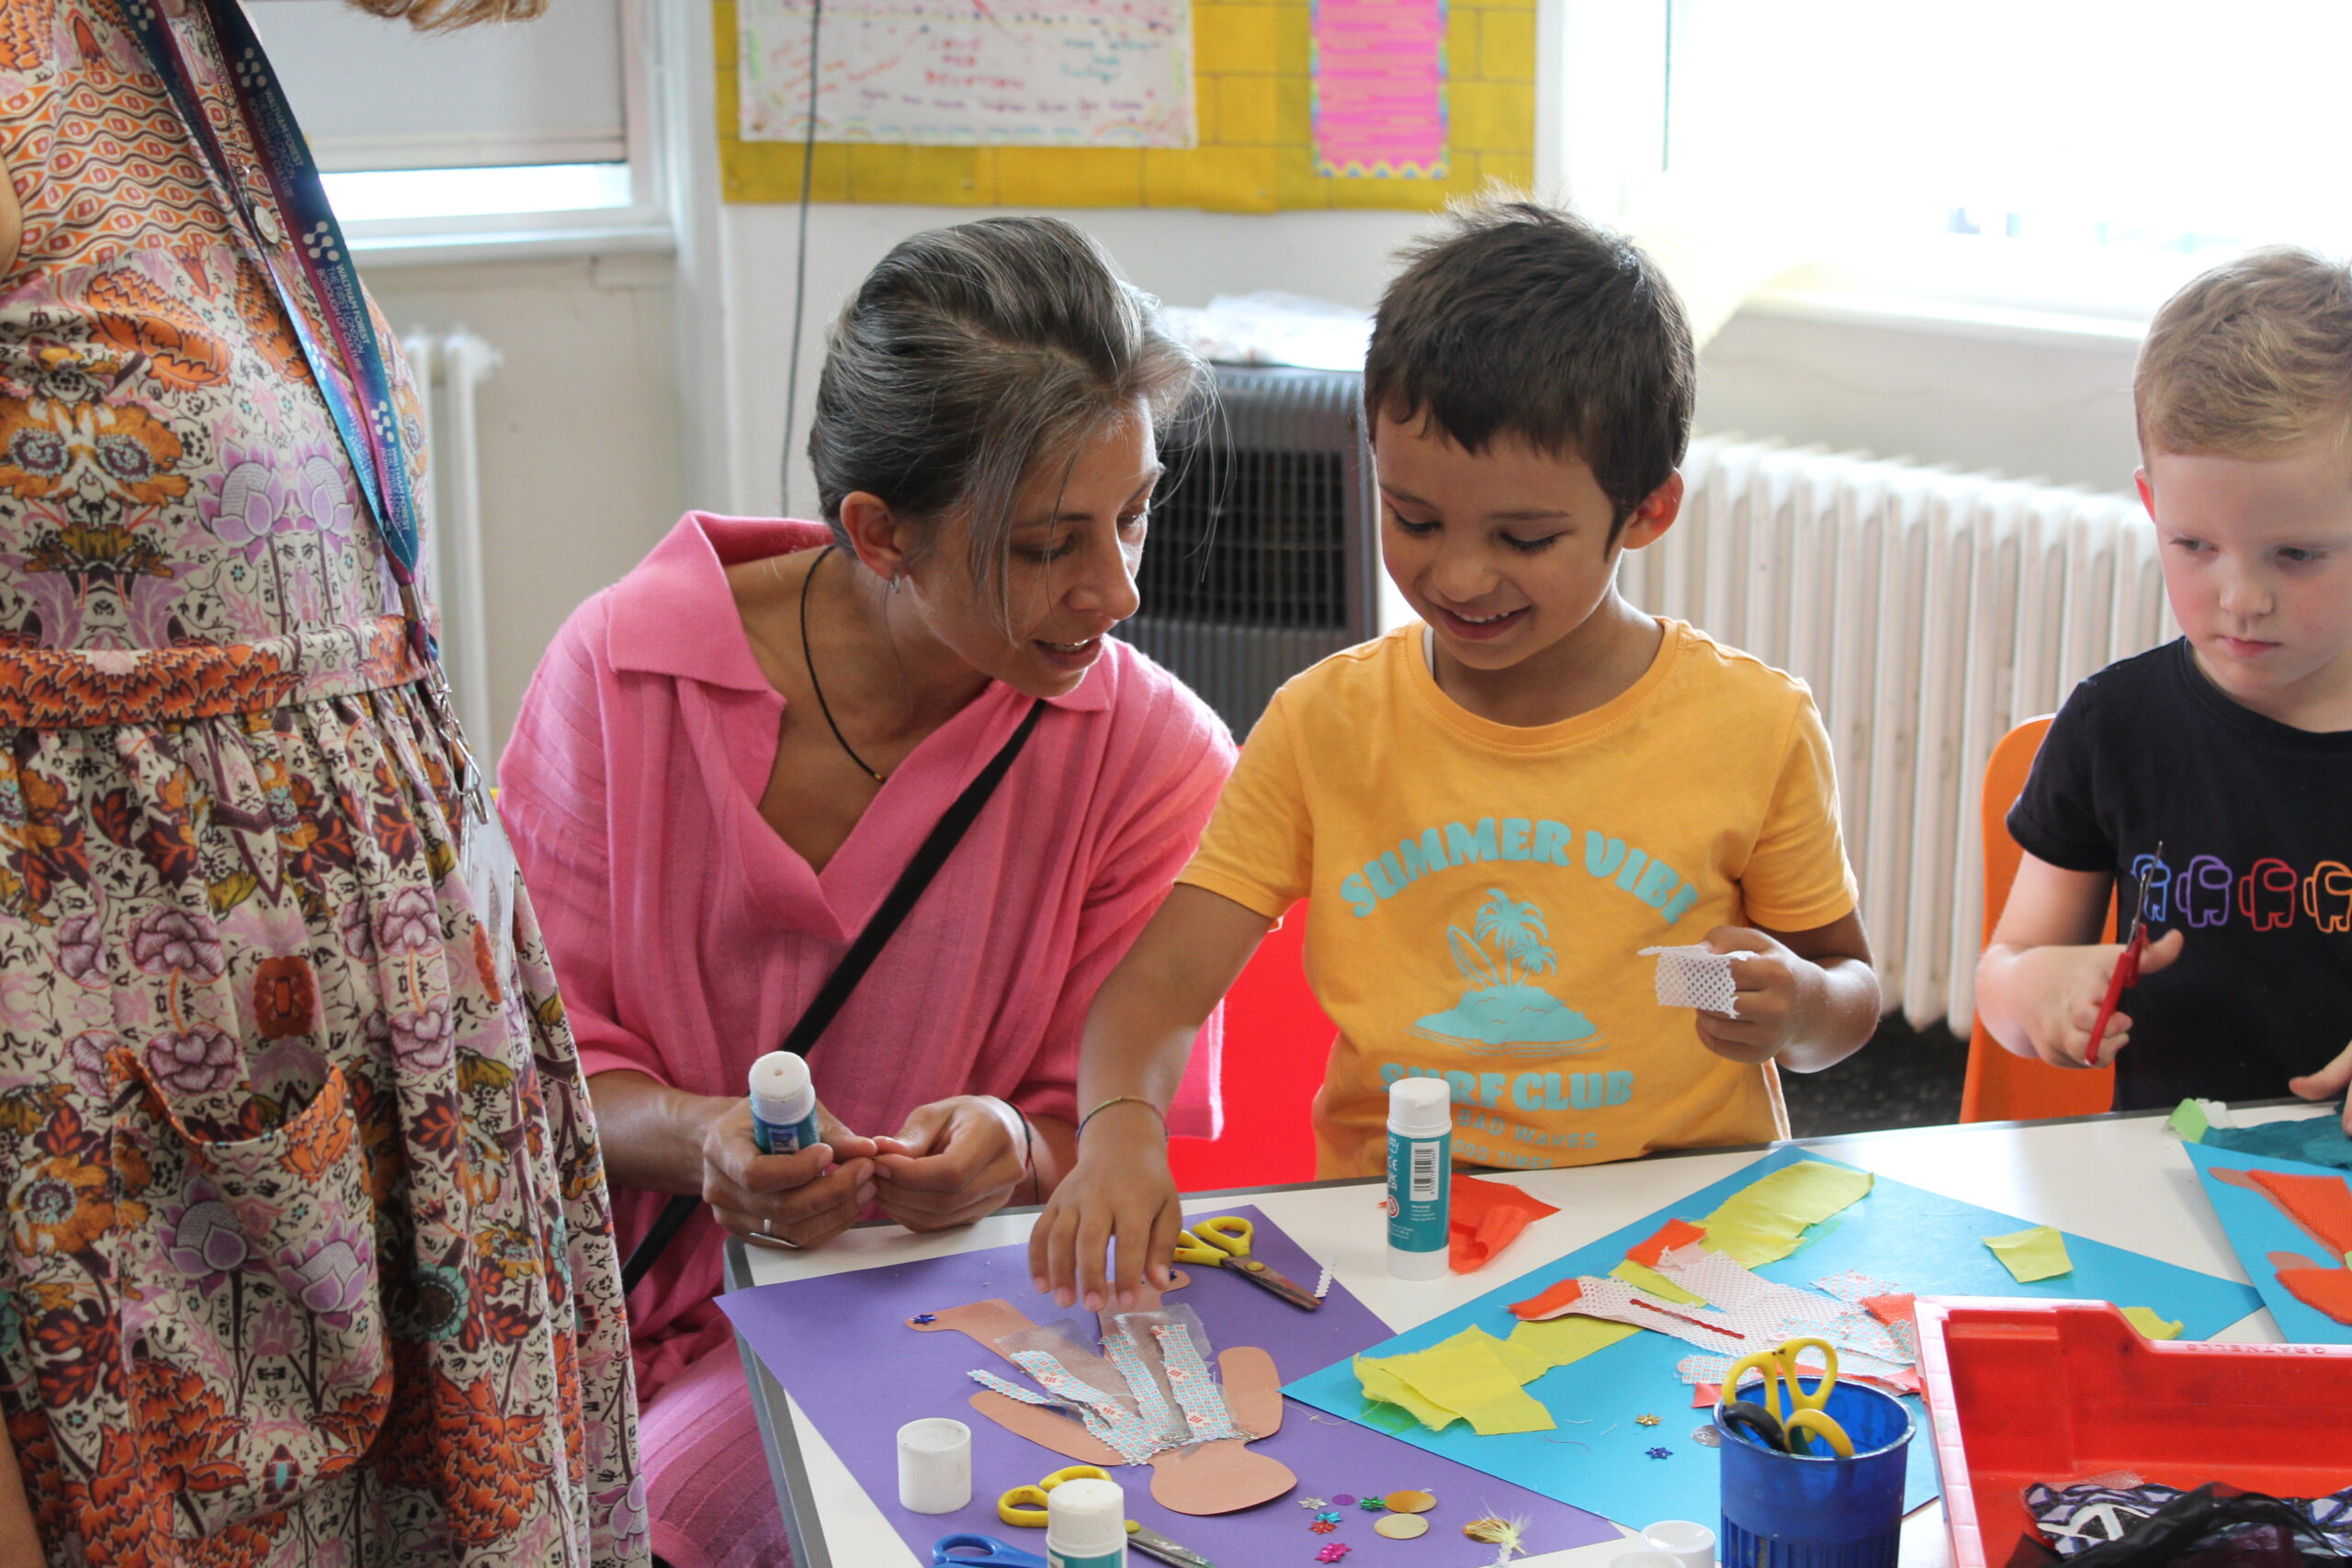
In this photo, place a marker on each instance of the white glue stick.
(784, 1104)
(1086, 1524)
(1421, 1177)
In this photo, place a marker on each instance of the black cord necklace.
(807, 658)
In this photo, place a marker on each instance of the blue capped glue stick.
(784, 1104)
(1421, 1177)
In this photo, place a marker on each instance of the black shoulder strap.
(941, 842)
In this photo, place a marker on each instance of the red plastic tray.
(2021, 1391)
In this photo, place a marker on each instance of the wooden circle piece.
(1402, 1526)
(1409, 1503)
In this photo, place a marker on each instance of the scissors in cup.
(2127, 966)
(1806, 1419)
(1224, 1242)
(1025, 1506)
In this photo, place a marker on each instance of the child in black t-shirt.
(2230, 748)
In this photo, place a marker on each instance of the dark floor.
(1902, 1078)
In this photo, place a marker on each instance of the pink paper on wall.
(1380, 88)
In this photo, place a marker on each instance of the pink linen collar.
(662, 620)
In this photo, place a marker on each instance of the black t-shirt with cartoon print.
(2256, 822)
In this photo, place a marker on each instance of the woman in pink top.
(727, 759)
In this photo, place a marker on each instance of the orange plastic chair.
(2001, 1086)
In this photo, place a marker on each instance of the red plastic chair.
(2001, 1086)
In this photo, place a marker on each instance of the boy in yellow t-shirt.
(1493, 810)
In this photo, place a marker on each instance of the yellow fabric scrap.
(1379, 1382)
(1644, 1278)
(2031, 1254)
(1468, 1376)
(1559, 1340)
(2150, 1324)
(1766, 1221)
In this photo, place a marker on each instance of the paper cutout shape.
(2151, 1325)
(2320, 1205)
(2029, 1255)
(1486, 1217)
(1215, 1477)
(2268, 1242)
(1697, 977)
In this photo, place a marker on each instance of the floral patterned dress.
(306, 1257)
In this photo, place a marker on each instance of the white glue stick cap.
(1689, 1543)
(1421, 1107)
(1086, 1519)
(935, 1465)
(780, 1087)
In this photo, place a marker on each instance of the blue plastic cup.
(1813, 1510)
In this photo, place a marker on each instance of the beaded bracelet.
(1121, 1099)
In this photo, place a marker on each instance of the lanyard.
(370, 432)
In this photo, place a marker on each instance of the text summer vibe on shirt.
(1478, 892)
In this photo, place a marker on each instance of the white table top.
(2120, 1179)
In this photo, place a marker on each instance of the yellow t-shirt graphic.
(1480, 893)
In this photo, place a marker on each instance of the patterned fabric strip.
(1120, 1349)
(1105, 1417)
(1188, 1375)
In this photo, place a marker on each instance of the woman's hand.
(804, 1199)
(954, 1161)
(1122, 1192)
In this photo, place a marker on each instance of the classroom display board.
(1253, 112)
(1624, 1444)
(840, 1345)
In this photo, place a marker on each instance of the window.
(2086, 156)
(494, 133)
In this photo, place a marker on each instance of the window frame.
(648, 224)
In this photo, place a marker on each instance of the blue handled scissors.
(984, 1550)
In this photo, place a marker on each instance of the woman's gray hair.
(973, 354)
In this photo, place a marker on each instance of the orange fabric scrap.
(1671, 1234)
(1486, 1217)
(2320, 1205)
(2327, 1291)
(1535, 1308)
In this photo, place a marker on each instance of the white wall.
(581, 470)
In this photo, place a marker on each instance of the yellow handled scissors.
(1025, 1507)
(1807, 1413)
(1223, 1241)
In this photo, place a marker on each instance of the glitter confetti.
(1333, 1517)
(1645, 1420)
(1313, 1504)
(1322, 1526)
(1707, 1436)
(1344, 1499)
(1661, 1453)
(1333, 1552)
(1373, 1504)
(925, 1317)
(1402, 1526)
(1409, 1503)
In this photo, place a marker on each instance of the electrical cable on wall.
(800, 266)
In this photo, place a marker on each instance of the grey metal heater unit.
(1264, 541)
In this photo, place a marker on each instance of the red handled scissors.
(2127, 967)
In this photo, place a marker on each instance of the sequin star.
(1330, 1517)
(1323, 1526)
(1313, 1504)
(925, 1317)
(1661, 1453)
(1645, 1420)
(1373, 1504)
(1333, 1552)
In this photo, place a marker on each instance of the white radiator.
(1930, 612)
(449, 368)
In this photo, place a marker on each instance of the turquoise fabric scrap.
(2315, 1140)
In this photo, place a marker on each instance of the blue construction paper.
(2259, 1227)
(2315, 1140)
(1924, 1243)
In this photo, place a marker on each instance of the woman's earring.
(893, 580)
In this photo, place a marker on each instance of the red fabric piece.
(1567, 1294)
(1671, 1234)
(2326, 1290)
(1704, 1394)
(1889, 1310)
(2320, 1205)
(1486, 1217)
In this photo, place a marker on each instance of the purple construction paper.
(839, 1346)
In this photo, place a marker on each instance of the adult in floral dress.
(307, 1258)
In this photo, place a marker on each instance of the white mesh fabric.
(1696, 977)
